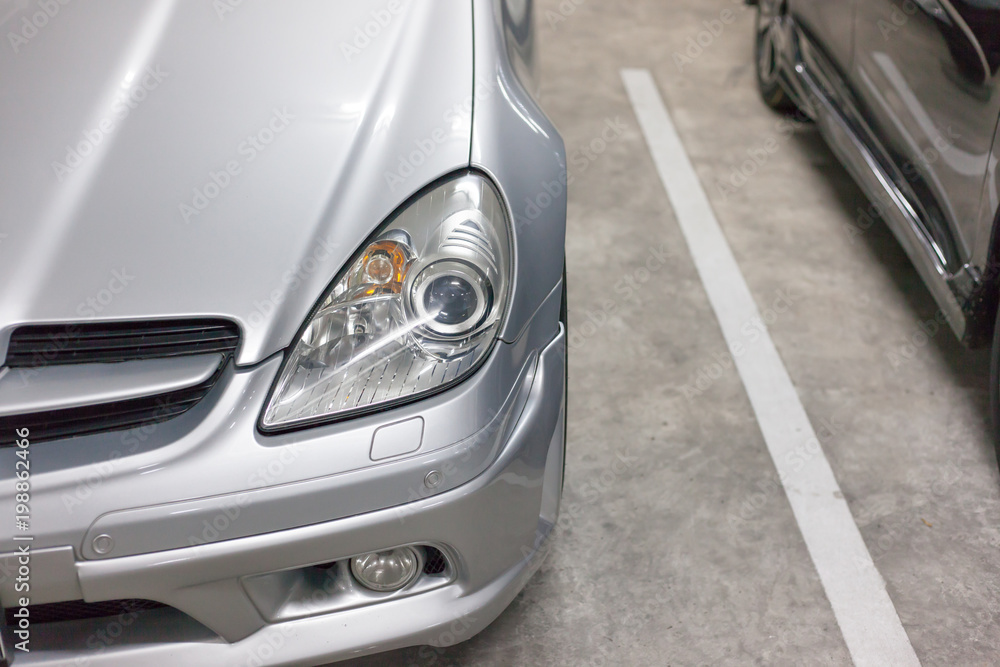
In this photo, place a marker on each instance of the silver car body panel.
(264, 107)
(515, 143)
(203, 512)
(164, 484)
(495, 522)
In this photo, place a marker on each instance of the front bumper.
(491, 529)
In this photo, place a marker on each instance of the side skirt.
(817, 88)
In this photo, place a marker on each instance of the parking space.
(677, 544)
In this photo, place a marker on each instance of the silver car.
(282, 327)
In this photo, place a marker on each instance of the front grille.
(115, 342)
(110, 342)
(117, 416)
(435, 562)
(77, 610)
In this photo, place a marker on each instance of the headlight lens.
(417, 309)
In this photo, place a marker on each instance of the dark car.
(906, 94)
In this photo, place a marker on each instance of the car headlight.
(416, 310)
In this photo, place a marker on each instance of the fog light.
(385, 570)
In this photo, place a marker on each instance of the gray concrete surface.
(686, 552)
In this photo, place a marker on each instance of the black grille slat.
(123, 340)
(157, 327)
(112, 330)
(78, 610)
(115, 342)
(115, 355)
(55, 423)
(117, 416)
(123, 344)
(47, 345)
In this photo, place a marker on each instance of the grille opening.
(38, 346)
(81, 628)
(111, 342)
(78, 610)
(434, 561)
(116, 416)
(331, 587)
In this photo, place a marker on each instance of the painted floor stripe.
(856, 590)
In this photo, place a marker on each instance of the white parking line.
(867, 618)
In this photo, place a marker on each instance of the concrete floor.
(689, 554)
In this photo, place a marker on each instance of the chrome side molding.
(815, 83)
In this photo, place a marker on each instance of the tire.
(564, 318)
(564, 304)
(768, 41)
(995, 386)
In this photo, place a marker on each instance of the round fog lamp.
(385, 570)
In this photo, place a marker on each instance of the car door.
(926, 74)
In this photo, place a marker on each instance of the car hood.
(181, 159)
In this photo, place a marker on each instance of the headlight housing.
(417, 309)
